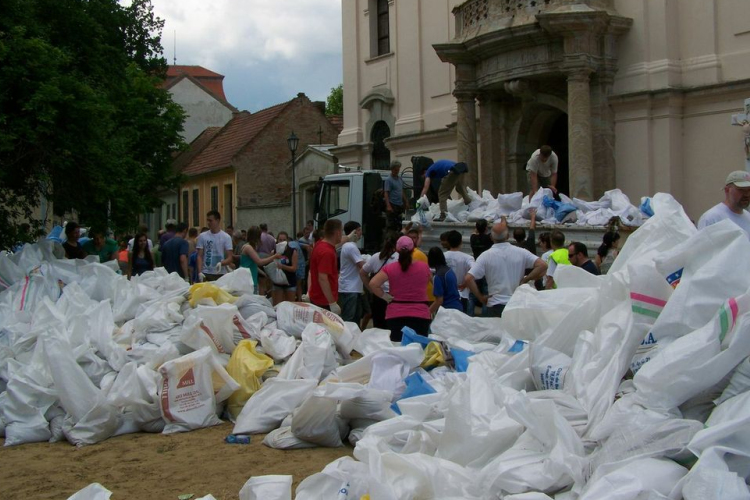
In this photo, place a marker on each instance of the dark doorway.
(381, 156)
(558, 141)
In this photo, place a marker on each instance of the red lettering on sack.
(165, 399)
(240, 327)
(187, 380)
(212, 337)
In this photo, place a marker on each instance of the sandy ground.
(153, 466)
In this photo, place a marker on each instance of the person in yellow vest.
(419, 256)
(559, 257)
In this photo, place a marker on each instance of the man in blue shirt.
(174, 253)
(450, 175)
(395, 197)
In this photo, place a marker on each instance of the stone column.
(492, 139)
(466, 134)
(603, 133)
(579, 135)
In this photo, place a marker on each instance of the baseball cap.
(404, 243)
(739, 178)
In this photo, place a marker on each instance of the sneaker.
(439, 219)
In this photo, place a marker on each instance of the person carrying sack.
(450, 175)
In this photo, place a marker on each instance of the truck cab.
(348, 196)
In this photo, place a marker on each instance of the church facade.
(631, 94)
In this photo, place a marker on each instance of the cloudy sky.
(268, 50)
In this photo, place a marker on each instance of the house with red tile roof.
(200, 92)
(243, 169)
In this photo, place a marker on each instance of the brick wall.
(263, 174)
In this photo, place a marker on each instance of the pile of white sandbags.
(517, 208)
(626, 386)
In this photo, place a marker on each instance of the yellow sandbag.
(433, 356)
(246, 366)
(209, 291)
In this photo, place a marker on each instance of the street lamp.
(293, 142)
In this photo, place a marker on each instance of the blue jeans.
(473, 301)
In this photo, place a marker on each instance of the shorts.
(285, 288)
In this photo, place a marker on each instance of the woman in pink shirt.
(407, 301)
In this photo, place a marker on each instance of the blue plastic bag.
(561, 209)
(415, 386)
(410, 336)
(646, 206)
(461, 358)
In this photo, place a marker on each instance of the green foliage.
(335, 101)
(83, 118)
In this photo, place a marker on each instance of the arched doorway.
(542, 124)
(381, 155)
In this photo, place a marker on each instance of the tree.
(335, 101)
(84, 120)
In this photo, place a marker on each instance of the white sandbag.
(557, 315)
(135, 393)
(372, 340)
(315, 421)
(94, 491)
(358, 401)
(90, 418)
(739, 382)
(698, 361)
(248, 328)
(342, 479)
(276, 399)
(712, 478)
(697, 270)
(450, 323)
(272, 487)
(548, 367)
(404, 358)
(728, 426)
(315, 357)
(630, 431)
(293, 318)
(547, 457)
(216, 328)
(669, 227)
(29, 395)
(249, 305)
(191, 388)
(477, 426)
(634, 480)
(283, 439)
(649, 293)
(508, 203)
(277, 344)
(601, 360)
(238, 282)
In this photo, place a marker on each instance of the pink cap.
(404, 243)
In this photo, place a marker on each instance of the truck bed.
(591, 236)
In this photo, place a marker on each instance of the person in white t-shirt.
(504, 266)
(351, 261)
(734, 206)
(372, 267)
(460, 262)
(214, 247)
(542, 169)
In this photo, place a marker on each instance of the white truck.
(348, 196)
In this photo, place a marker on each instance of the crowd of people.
(398, 286)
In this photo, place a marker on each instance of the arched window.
(381, 156)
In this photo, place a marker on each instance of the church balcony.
(475, 17)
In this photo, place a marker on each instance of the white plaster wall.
(277, 218)
(421, 84)
(201, 108)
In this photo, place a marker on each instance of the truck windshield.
(334, 199)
